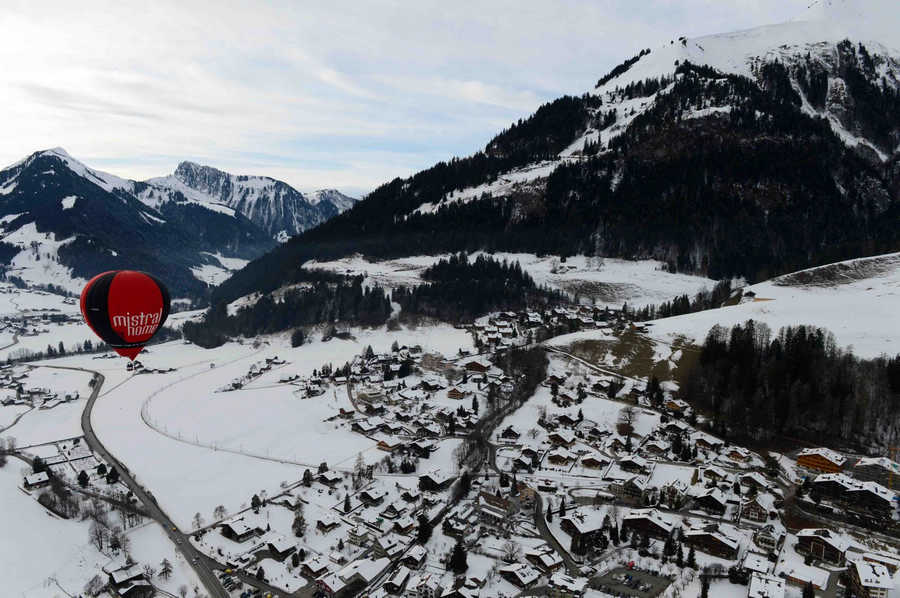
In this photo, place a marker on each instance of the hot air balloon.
(125, 308)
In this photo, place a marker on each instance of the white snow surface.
(612, 283)
(860, 307)
(37, 263)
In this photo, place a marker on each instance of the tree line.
(795, 383)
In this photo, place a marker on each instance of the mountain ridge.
(62, 222)
(788, 160)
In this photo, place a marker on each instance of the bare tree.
(149, 571)
(219, 512)
(182, 591)
(97, 534)
(198, 520)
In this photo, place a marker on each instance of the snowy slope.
(858, 300)
(739, 53)
(273, 205)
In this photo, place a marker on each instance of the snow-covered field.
(858, 301)
(268, 422)
(607, 281)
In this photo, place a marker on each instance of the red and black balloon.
(125, 308)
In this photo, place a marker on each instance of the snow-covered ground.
(187, 476)
(857, 300)
(607, 281)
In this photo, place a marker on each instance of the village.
(593, 485)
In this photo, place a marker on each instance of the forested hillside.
(716, 173)
(796, 383)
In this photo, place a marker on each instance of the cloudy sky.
(320, 94)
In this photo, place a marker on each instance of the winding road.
(203, 566)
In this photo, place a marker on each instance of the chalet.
(433, 383)
(656, 447)
(403, 525)
(715, 474)
(634, 464)
(564, 586)
(754, 480)
(397, 582)
(411, 495)
(564, 419)
(770, 536)
(648, 522)
(510, 433)
(315, 567)
(676, 428)
(522, 463)
(870, 580)
(706, 442)
(561, 456)
(833, 485)
(876, 469)
(821, 459)
(130, 582)
(367, 426)
(630, 489)
(238, 530)
(519, 574)
(457, 393)
(424, 586)
(493, 510)
(823, 544)
(738, 453)
(712, 501)
(352, 578)
(594, 461)
(389, 444)
(389, 546)
(585, 527)
(436, 480)
(36, 480)
(394, 510)
(330, 478)
(430, 430)
(892, 562)
(765, 586)
(712, 541)
(760, 508)
(359, 535)
(676, 405)
(327, 522)
(617, 443)
(281, 547)
(544, 558)
(477, 365)
(873, 497)
(562, 438)
(673, 492)
(415, 557)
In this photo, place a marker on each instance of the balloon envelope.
(125, 308)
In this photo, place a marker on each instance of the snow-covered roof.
(757, 562)
(765, 586)
(833, 456)
(836, 541)
(882, 462)
(562, 581)
(37, 478)
(663, 521)
(524, 573)
(872, 575)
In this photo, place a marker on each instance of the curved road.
(202, 565)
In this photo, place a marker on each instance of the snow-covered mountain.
(273, 205)
(749, 153)
(61, 222)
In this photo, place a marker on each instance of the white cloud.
(344, 93)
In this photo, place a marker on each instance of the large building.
(870, 580)
(821, 459)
